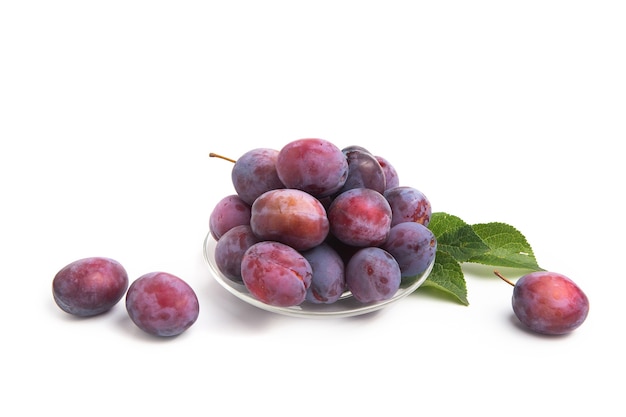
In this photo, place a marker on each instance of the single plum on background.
(89, 286)
(276, 274)
(162, 304)
(548, 302)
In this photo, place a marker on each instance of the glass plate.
(346, 306)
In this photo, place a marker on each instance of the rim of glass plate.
(346, 306)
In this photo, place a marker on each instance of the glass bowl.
(346, 306)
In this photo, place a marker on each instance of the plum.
(89, 286)
(328, 282)
(290, 216)
(162, 304)
(548, 302)
(314, 165)
(413, 245)
(373, 274)
(364, 170)
(230, 249)
(229, 212)
(391, 174)
(408, 204)
(360, 217)
(276, 274)
(255, 173)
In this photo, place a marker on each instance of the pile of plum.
(311, 221)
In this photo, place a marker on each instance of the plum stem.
(215, 155)
(499, 275)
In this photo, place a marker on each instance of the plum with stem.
(548, 302)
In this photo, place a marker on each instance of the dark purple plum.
(548, 302)
(313, 165)
(360, 217)
(364, 171)
(230, 249)
(229, 212)
(372, 274)
(254, 173)
(276, 274)
(290, 216)
(89, 286)
(162, 304)
(413, 245)
(355, 148)
(408, 204)
(328, 282)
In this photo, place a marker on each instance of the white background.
(497, 111)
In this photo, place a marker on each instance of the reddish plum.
(548, 302)
(162, 304)
(313, 165)
(290, 216)
(360, 217)
(276, 274)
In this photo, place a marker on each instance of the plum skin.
(408, 204)
(328, 282)
(314, 165)
(229, 212)
(392, 179)
(230, 249)
(276, 273)
(364, 170)
(360, 217)
(413, 245)
(290, 216)
(255, 173)
(162, 304)
(89, 286)
(549, 303)
(372, 275)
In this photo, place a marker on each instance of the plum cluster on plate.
(311, 221)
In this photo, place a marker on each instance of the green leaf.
(507, 247)
(447, 276)
(493, 244)
(456, 237)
